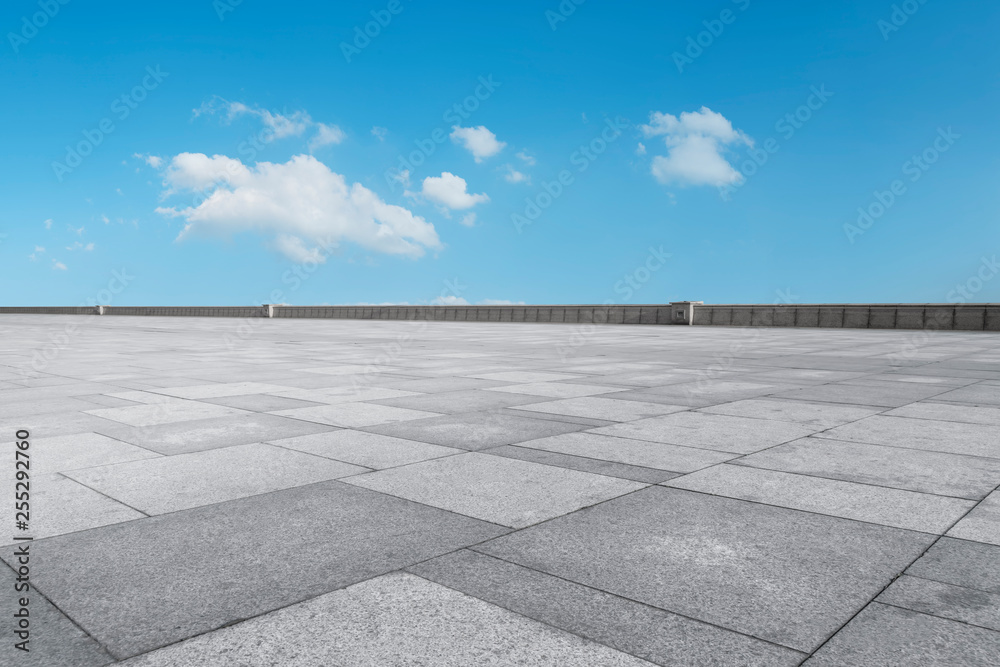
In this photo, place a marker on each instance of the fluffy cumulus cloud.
(302, 204)
(276, 125)
(696, 142)
(515, 176)
(451, 191)
(477, 140)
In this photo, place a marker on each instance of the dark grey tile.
(781, 575)
(143, 584)
(649, 633)
(885, 636)
(54, 640)
(962, 563)
(597, 466)
(968, 605)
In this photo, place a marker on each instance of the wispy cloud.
(380, 133)
(58, 266)
(277, 125)
(515, 176)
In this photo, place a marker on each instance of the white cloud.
(450, 300)
(279, 126)
(300, 199)
(515, 176)
(58, 266)
(105, 219)
(80, 246)
(528, 159)
(38, 251)
(696, 142)
(500, 302)
(326, 135)
(477, 140)
(48, 224)
(451, 191)
(380, 132)
(640, 149)
(79, 232)
(469, 220)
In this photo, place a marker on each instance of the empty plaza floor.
(332, 492)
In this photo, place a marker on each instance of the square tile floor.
(481, 497)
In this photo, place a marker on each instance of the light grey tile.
(172, 483)
(982, 524)
(739, 435)
(926, 434)
(820, 415)
(366, 449)
(505, 491)
(607, 409)
(354, 415)
(476, 430)
(164, 413)
(557, 389)
(949, 412)
(967, 605)
(861, 502)
(631, 452)
(81, 450)
(916, 470)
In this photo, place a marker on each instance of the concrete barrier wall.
(958, 317)
(931, 316)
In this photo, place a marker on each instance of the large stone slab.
(983, 523)
(395, 619)
(370, 450)
(781, 575)
(631, 452)
(141, 585)
(926, 434)
(820, 415)
(653, 634)
(944, 600)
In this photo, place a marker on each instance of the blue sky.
(251, 152)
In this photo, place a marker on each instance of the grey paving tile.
(172, 483)
(501, 490)
(370, 450)
(527, 376)
(820, 415)
(54, 641)
(164, 413)
(196, 436)
(631, 452)
(140, 585)
(979, 395)
(261, 402)
(64, 423)
(888, 397)
(861, 502)
(476, 430)
(217, 390)
(885, 636)
(607, 409)
(81, 450)
(649, 633)
(583, 464)
(968, 605)
(354, 415)
(781, 575)
(418, 623)
(60, 505)
(557, 389)
(926, 434)
(915, 470)
(353, 393)
(962, 563)
(435, 385)
(739, 435)
(983, 523)
(455, 402)
(948, 412)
